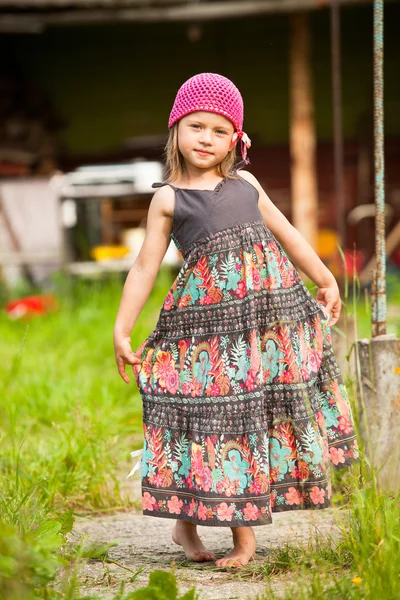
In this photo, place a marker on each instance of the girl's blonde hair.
(175, 164)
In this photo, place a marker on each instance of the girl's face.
(205, 139)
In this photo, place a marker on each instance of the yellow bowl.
(109, 252)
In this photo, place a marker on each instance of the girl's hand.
(329, 297)
(124, 356)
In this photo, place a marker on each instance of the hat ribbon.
(245, 143)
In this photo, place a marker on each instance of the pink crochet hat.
(215, 93)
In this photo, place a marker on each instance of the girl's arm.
(299, 251)
(142, 275)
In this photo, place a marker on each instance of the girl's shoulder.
(163, 199)
(249, 178)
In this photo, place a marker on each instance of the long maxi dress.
(244, 408)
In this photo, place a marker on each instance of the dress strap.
(159, 184)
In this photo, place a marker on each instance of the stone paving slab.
(145, 541)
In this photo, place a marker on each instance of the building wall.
(114, 82)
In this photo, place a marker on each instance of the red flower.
(249, 383)
(225, 512)
(157, 480)
(169, 301)
(314, 360)
(185, 300)
(172, 384)
(286, 377)
(202, 512)
(304, 373)
(250, 512)
(206, 300)
(215, 389)
(220, 487)
(31, 305)
(289, 279)
(146, 364)
(186, 388)
(345, 425)
(206, 479)
(230, 487)
(196, 387)
(317, 495)
(256, 279)
(163, 366)
(148, 501)
(336, 455)
(255, 487)
(175, 505)
(293, 496)
(241, 289)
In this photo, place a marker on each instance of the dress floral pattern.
(244, 409)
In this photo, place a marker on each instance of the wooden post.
(106, 221)
(378, 374)
(302, 131)
(338, 162)
(14, 241)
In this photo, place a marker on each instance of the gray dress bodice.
(199, 213)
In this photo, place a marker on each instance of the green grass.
(364, 564)
(68, 419)
(68, 423)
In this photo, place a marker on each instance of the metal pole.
(379, 311)
(337, 122)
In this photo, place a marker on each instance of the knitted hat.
(214, 93)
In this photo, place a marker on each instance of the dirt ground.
(145, 542)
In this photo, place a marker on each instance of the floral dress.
(244, 409)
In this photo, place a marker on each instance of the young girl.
(244, 408)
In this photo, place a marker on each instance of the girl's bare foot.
(244, 548)
(185, 534)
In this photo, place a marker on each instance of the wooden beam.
(30, 258)
(35, 22)
(106, 209)
(96, 191)
(14, 241)
(302, 131)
